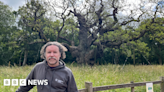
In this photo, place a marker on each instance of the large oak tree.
(96, 18)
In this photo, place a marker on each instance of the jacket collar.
(61, 65)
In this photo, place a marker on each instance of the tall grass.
(98, 75)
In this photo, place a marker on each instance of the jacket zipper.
(51, 80)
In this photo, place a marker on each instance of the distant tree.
(154, 37)
(33, 23)
(7, 36)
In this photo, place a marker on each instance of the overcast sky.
(14, 4)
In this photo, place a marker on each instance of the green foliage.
(8, 37)
(6, 18)
(32, 16)
(156, 31)
(137, 46)
(130, 48)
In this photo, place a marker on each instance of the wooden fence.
(89, 88)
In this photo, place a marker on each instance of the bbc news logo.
(22, 82)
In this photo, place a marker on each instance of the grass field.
(98, 75)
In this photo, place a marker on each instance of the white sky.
(14, 4)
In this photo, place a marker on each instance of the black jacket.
(60, 78)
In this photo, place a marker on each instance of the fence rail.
(89, 88)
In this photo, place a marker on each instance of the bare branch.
(114, 12)
(37, 42)
(155, 13)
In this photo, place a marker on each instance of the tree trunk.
(84, 56)
(160, 60)
(159, 56)
(82, 52)
(20, 59)
(25, 57)
(84, 44)
(134, 60)
(115, 57)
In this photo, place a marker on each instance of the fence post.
(132, 88)
(162, 84)
(88, 86)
